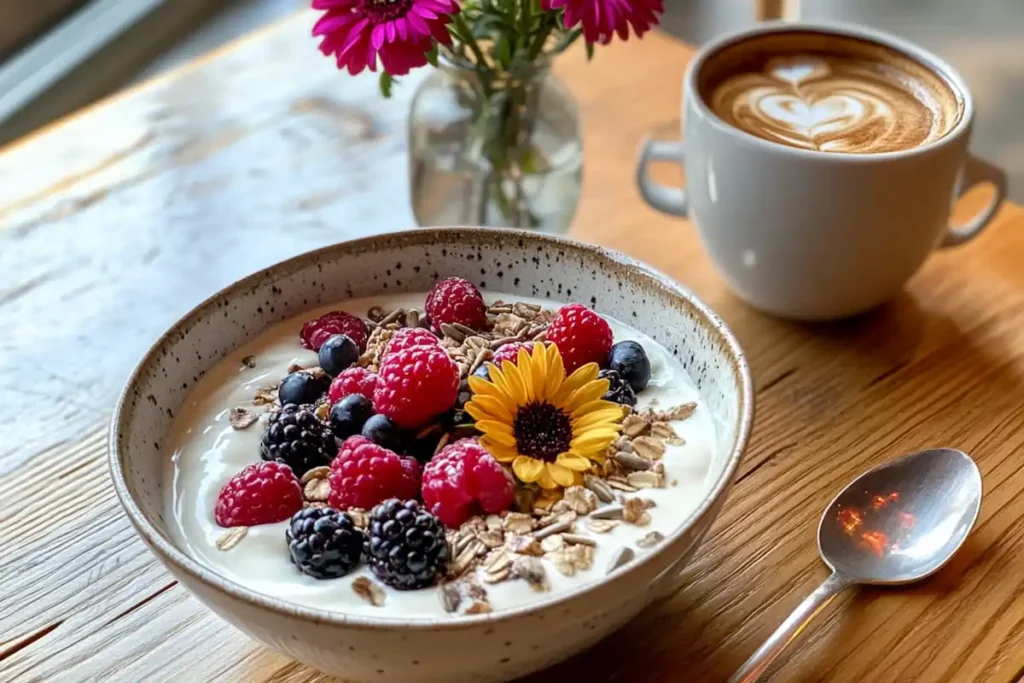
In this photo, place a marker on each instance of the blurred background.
(59, 55)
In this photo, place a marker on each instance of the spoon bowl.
(897, 523)
(903, 520)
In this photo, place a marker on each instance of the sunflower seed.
(249, 362)
(464, 329)
(479, 607)
(601, 526)
(232, 537)
(532, 571)
(634, 426)
(240, 418)
(542, 335)
(600, 489)
(648, 447)
(621, 486)
(452, 333)
(499, 560)
(622, 556)
(556, 528)
(412, 318)
(450, 597)
(317, 490)
(525, 310)
(391, 317)
(650, 540)
(576, 539)
(482, 355)
(323, 412)
(498, 576)
(442, 442)
(632, 461)
(492, 539)
(608, 512)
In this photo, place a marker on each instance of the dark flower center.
(380, 11)
(542, 431)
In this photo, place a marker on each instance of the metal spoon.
(897, 523)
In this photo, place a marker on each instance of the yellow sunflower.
(549, 426)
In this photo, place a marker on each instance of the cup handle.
(977, 171)
(669, 200)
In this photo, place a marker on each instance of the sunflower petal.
(490, 408)
(585, 394)
(574, 462)
(501, 453)
(484, 388)
(546, 480)
(500, 432)
(561, 475)
(555, 371)
(585, 419)
(535, 365)
(516, 386)
(593, 439)
(528, 470)
(583, 375)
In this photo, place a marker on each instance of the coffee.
(828, 93)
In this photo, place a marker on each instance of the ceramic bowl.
(488, 647)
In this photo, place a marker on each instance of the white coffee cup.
(815, 235)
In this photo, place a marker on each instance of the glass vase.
(495, 147)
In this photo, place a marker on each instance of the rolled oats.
(572, 558)
(601, 526)
(230, 538)
(240, 418)
(665, 432)
(524, 545)
(677, 413)
(635, 512)
(634, 425)
(577, 539)
(317, 490)
(479, 607)
(517, 523)
(580, 500)
(552, 543)
(649, 447)
(360, 518)
(265, 396)
(369, 591)
(646, 480)
(532, 571)
(249, 362)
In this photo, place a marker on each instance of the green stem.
(542, 37)
(466, 35)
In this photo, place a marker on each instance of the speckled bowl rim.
(181, 561)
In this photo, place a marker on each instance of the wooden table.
(115, 222)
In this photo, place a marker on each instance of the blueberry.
(302, 387)
(338, 353)
(383, 432)
(630, 360)
(482, 371)
(349, 415)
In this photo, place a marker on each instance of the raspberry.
(415, 385)
(315, 332)
(407, 337)
(262, 493)
(464, 479)
(455, 300)
(364, 474)
(581, 336)
(352, 381)
(510, 352)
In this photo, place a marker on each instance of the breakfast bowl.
(377, 640)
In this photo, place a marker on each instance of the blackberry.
(619, 390)
(298, 439)
(406, 547)
(324, 543)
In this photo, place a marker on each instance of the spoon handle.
(789, 629)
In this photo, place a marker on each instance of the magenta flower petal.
(398, 32)
(601, 20)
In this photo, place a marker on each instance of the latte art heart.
(832, 103)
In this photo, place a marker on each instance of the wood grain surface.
(117, 221)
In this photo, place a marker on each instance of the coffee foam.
(828, 93)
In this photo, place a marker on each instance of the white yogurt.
(206, 452)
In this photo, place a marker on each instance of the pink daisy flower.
(602, 19)
(400, 32)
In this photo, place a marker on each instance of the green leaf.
(534, 162)
(386, 82)
(432, 55)
(503, 50)
(590, 51)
